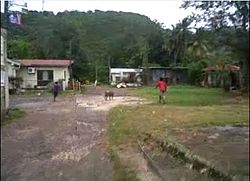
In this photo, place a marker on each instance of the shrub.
(50, 87)
(195, 71)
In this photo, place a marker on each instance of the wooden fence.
(74, 85)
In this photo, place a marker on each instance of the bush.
(195, 71)
(50, 87)
(12, 115)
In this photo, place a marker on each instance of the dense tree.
(197, 46)
(89, 38)
(232, 19)
(97, 40)
(219, 14)
(176, 41)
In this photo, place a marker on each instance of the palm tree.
(176, 40)
(197, 48)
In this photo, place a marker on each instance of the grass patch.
(45, 93)
(12, 115)
(186, 95)
(121, 171)
(187, 107)
(128, 123)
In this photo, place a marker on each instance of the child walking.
(162, 85)
(56, 89)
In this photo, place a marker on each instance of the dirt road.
(62, 140)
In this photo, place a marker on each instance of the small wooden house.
(175, 75)
(221, 76)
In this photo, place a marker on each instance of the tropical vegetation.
(96, 39)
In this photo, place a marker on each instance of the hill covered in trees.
(91, 39)
(95, 39)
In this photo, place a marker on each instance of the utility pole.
(145, 50)
(70, 57)
(109, 69)
(6, 9)
(43, 1)
(96, 73)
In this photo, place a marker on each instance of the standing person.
(56, 89)
(162, 85)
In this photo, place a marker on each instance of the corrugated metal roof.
(41, 62)
(227, 67)
(14, 63)
(170, 68)
(125, 70)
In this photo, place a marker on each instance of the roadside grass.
(122, 171)
(127, 124)
(13, 114)
(45, 93)
(187, 95)
(186, 107)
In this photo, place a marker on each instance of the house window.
(64, 75)
(44, 77)
(117, 79)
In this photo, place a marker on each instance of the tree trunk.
(244, 75)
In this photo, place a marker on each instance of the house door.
(44, 77)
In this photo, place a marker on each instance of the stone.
(214, 136)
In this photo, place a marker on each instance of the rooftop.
(227, 67)
(124, 70)
(45, 62)
(13, 62)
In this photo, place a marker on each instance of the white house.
(12, 67)
(4, 75)
(37, 73)
(118, 75)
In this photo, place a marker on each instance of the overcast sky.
(164, 11)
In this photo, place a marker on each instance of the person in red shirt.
(162, 85)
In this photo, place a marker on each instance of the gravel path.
(61, 140)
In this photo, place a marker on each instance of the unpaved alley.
(62, 140)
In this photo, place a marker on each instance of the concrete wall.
(11, 70)
(4, 74)
(30, 80)
(11, 73)
(127, 75)
(175, 75)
